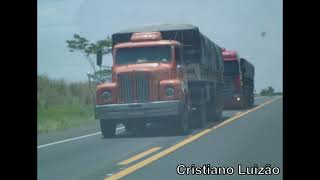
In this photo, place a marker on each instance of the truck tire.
(108, 128)
(219, 115)
(199, 116)
(202, 111)
(214, 114)
(211, 112)
(203, 115)
(252, 100)
(245, 101)
(182, 122)
(242, 102)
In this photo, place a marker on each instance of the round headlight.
(169, 91)
(106, 95)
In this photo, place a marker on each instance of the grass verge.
(61, 117)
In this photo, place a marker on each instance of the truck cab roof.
(140, 39)
(159, 27)
(147, 43)
(230, 55)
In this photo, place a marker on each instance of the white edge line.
(88, 135)
(71, 139)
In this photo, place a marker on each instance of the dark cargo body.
(247, 69)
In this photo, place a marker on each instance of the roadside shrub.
(61, 105)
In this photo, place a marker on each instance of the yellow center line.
(171, 149)
(139, 156)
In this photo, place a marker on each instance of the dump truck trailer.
(161, 73)
(238, 81)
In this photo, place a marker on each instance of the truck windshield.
(137, 55)
(231, 68)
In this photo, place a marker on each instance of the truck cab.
(147, 82)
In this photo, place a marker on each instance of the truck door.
(181, 66)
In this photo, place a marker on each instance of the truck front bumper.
(139, 110)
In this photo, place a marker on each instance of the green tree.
(278, 93)
(89, 49)
(105, 75)
(267, 92)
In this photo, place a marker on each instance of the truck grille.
(134, 87)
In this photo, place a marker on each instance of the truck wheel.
(245, 102)
(108, 128)
(248, 101)
(216, 113)
(211, 112)
(182, 122)
(252, 100)
(203, 115)
(219, 115)
(242, 102)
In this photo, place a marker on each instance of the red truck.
(161, 73)
(238, 81)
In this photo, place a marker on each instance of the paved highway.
(245, 137)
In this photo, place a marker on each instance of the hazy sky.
(233, 24)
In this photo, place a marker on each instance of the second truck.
(161, 73)
(238, 81)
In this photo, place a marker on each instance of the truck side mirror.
(99, 57)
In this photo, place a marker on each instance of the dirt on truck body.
(166, 73)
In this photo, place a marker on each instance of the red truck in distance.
(238, 81)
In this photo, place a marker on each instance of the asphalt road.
(246, 137)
